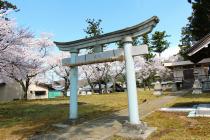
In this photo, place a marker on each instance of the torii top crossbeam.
(133, 31)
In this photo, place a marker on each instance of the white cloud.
(170, 51)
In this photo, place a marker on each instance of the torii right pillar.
(131, 82)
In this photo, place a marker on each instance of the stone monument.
(158, 87)
(197, 86)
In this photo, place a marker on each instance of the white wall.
(33, 88)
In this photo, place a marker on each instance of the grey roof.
(199, 44)
(185, 63)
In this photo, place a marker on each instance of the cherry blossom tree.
(102, 74)
(10, 38)
(87, 74)
(117, 69)
(96, 74)
(62, 71)
(145, 70)
(22, 56)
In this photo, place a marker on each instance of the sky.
(65, 19)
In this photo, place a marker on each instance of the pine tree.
(199, 21)
(93, 29)
(186, 41)
(5, 5)
(159, 42)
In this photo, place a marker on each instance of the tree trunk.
(90, 84)
(106, 90)
(114, 85)
(24, 87)
(105, 82)
(66, 86)
(148, 84)
(99, 86)
(92, 88)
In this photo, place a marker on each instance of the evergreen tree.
(5, 5)
(159, 42)
(199, 21)
(146, 40)
(186, 41)
(198, 26)
(93, 29)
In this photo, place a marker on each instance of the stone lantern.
(158, 86)
(197, 86)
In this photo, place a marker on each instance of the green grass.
(176, 126)
(24, 118)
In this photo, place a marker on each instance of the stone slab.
(134, 135)
(177, 109)
(203, 107)
(200, 110)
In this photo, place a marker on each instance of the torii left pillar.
(73, 86)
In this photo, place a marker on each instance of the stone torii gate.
(124, 36)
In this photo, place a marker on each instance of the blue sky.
(66, 18)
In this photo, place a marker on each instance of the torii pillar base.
(139, 131)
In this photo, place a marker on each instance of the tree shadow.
(37, 119)
(188, 94)
(189, 104)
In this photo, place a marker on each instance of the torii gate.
(125, 36)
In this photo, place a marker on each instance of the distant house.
(37, 91)
(13, 91)
(43, 91)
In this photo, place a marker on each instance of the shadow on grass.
(189, 104)
(189, 99)
(203, 95)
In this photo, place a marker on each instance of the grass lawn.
(20, 119)
(176, 126)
